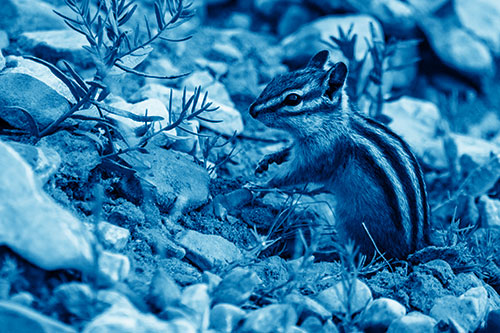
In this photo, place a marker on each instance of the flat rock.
(53, 45)
(208, 251)
(180, 184)
(236, 287)
(21, 319)
(28, 15)
(34, 225)
(481, 18)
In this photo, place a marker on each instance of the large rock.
(337, 299)
(43, 103)
(457, 47)
(481, 18)
(307, 41)
(53, 45)
(21, 319)
(34, 225)
(28, 15)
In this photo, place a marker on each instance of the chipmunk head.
(297, 101)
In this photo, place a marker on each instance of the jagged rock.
(481, 18)
(208, 251)
(379, 315)
(335, 298)
(414, 322)
(28, 15)
(21, 319)
(457, 48)
(489, 209)
(54, 45)
(236, 287)
(50, 236)
(271, 318)
(225, 317)
(112, 235)
(467, 311)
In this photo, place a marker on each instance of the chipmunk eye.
(292, 99)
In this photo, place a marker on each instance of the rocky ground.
(128, 202)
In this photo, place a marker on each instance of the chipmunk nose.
(252, 111)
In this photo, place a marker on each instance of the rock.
(23, 298)
(269, 8)
(54, 45)
(225, 317)
(379, 315)
(24, 91)
(76, 298)
(71, 148)
(50, 237)
(312, 324)
(224, 52)
(196, 298)
(122, 316)
(217, 67)
(242, 81)
(396, 16)
(457, 48)
(236, 287)
(113, 236)
(113, 267)
(239, 21)
(427, 7)
(306, 307)
(271, 318)
(28, 15)
(2, 60)
(216, 90)
(438, 268)
(4, 40)
(208, 251)
(414, 322)
(307, 41)
(467, 311)
(21, 319)
(179, 183)
(335, 298)
(230, 117)
(481, 18)
(211, 279)
(422, 287)
(44, 161)
(163, 290)
(489, 210)
(293, 18)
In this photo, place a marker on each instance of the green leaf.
(76, 76)
(159, 18)
(34, 129)
(127, 114)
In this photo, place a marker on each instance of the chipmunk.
(372, 172)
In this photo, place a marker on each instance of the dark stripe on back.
(371, 166)
(405, 179)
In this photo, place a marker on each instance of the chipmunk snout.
(252, 111)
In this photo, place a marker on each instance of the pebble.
(196, 298)
(467, 311)
(414, 322)
(236, 286)
(113, 236)
(379, 315)
(225, 317)
(270, 318)
(335, 299)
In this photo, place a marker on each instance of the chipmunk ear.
(319, 60)
(335, 78)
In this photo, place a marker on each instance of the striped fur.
(372, 171)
